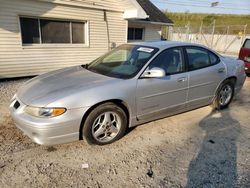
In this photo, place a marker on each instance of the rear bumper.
(48, 131)
(240, 82)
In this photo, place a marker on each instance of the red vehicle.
(245, 55)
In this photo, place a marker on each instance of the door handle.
(182, 79)
(221, 70)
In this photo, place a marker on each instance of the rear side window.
(214, 59)
(200, 58)
(197, 58)
(247, 44)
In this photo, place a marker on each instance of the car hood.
(54, 85)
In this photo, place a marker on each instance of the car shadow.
(215, 165)
(129, 130)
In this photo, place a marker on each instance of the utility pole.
(200, 33)
(226, 39)
(201, 26)
(214, 4)
(212, 41)
(187, 31)
(244, 34)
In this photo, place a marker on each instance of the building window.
(30, 30)
(78, 33)
(46, 31)
(135, 33)
(55, 31)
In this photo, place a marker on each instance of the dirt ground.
(200, 148)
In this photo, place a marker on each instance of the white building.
(37, 36)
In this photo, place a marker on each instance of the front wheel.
(224, 95)
(105, 124)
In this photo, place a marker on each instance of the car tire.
(224, 95)
(105, 124)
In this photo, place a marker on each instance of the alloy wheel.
(225, 95)
(106, 126)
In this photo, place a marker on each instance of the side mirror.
(155, 72)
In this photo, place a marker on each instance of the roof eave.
(82, 4)
(137, 13)
(151, 22)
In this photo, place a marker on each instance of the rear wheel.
(105, 124)
(224, 95)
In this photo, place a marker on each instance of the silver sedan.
(131, 85)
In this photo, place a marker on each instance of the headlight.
(44, 112)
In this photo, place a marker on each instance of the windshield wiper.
(85, 66)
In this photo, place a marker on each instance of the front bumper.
(48, 131)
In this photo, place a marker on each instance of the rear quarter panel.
(235, 68)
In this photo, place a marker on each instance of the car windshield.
(123, 62)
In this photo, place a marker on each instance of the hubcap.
(225, 95)
(106, 126)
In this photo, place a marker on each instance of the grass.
(222, 20)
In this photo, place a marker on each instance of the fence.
(224, 39)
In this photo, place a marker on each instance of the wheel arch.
(117, 102)
(231, 78)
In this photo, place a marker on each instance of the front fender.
(124, 90)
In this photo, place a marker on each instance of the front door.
(161, 96)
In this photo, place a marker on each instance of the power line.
(205, 3)
(211, 1)
(208, 3)
(199, 5)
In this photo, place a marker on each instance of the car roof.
(165, 44)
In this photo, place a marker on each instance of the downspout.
(107, 26)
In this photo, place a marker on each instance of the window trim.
(86, 44)
(205, 49)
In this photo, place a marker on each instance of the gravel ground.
(200, 148)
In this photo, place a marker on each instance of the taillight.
(247, 58)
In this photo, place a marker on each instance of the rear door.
(206, 71)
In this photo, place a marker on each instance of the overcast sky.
(204, 6)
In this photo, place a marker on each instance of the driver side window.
(170, 60)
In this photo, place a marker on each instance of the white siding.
(153, 32)
(17, 60)
(127, 4)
